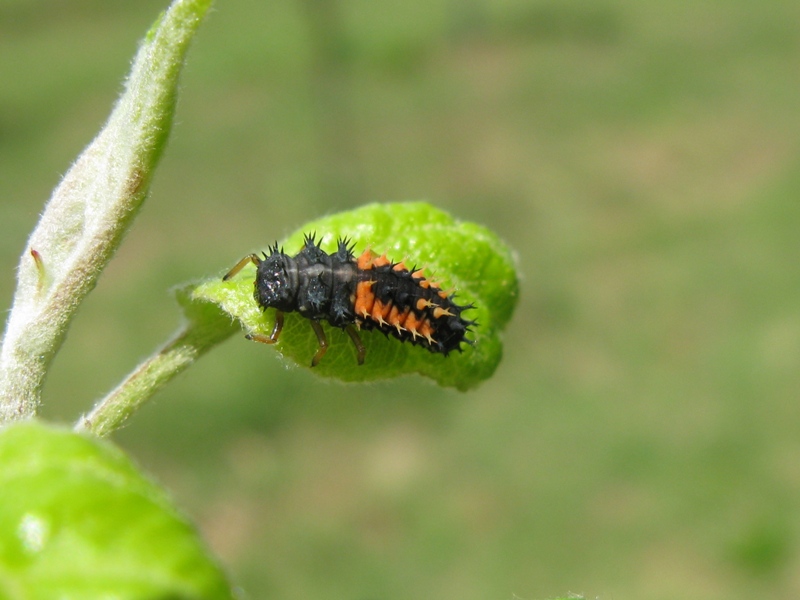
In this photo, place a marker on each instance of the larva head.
(276, 281)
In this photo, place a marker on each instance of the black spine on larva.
(315, 284)
(402, 289)
(343, 264)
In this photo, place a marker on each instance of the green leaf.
(460, 255)
(77, 520)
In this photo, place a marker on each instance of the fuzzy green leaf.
(459, 255)
(78, 520)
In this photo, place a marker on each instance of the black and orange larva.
(368, 292)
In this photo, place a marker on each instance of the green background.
(641, 438)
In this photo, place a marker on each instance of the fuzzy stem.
(91, 210)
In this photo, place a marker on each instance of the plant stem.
(91, 210)
(191, 342)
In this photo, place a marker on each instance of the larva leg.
(323, 343)
(360, 349)
(250, 258)
(272, 337)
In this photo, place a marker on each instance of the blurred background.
(641, 438)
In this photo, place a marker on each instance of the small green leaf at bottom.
(461, 256)
(78, 520)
